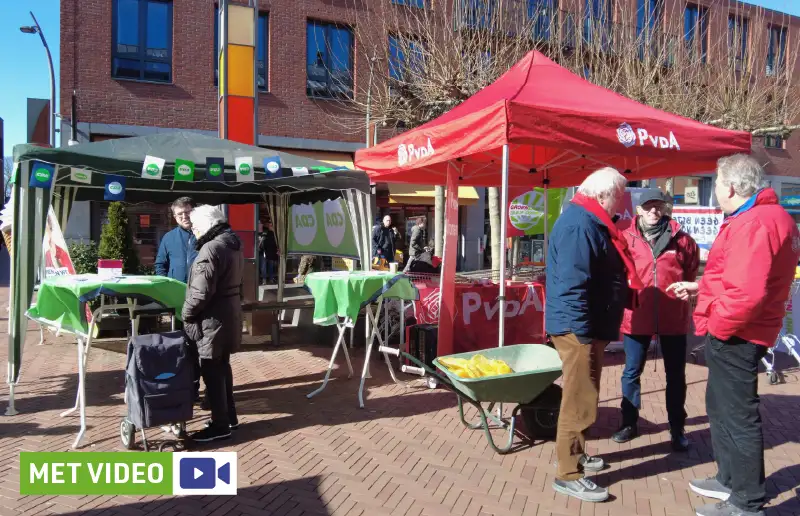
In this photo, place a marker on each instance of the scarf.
(593, 207)
(651, 233)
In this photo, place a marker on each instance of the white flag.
(299, 171)
(81, 175)
(244, 169)
(152, 167)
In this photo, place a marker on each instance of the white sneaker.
(582, 489)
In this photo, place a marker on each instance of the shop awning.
(339, 159)
(426, 195)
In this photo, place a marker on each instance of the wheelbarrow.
(535, 366)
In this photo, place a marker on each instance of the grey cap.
(653, 195)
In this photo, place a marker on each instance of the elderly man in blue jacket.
(590, 274)
(177, 250)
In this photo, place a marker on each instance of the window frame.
(265, 15)
(328, 26)
(417, 4)
(141, 54)
(775, 66)
(700, 30)
(544, 15)
(739, 52)
(774, 142)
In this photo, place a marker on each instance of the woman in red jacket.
(663, 255)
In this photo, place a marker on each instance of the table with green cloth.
(339, 296)
(62, 304)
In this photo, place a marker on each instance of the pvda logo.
(626, 135)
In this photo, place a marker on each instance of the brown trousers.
(582, 365)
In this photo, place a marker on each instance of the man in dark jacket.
(589, 270)
(383, 239)
(212, 314)
(270, 254)
(177, 249)
(663, 254)
(416, 244)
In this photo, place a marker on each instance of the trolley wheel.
(431, 382)
(773, 378)
(127, 431)
(175, 445)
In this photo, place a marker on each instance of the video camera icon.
(205, 473)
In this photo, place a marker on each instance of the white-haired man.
(740, 309)
(590, 274)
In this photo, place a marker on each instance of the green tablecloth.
(60, 301)
(345, 293)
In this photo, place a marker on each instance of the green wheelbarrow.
(535, 366)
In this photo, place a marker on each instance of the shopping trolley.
(786, 338)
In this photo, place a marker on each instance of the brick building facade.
(138, 66)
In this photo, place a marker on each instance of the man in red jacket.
(663, 255)
(741, 302)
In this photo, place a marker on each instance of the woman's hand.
(684, 290)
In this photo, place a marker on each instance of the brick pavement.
(405, 454)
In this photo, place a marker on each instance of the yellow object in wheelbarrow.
(477, 366)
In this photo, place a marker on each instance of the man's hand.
(684, 290)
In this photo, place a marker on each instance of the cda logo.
(184, 170)
(215, 170)
(42, 175)
(244, 169)
(305, 223)
(334, 221)
(152, 169)
(81, 175)
(114, 188)
(110, 473)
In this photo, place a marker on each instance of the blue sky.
(24, 65)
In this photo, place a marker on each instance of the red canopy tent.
(547, 127)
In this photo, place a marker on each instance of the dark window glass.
(543, 14)
(329, 60)
(142, 40)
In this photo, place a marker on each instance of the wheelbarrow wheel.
(773, 378)
(127, 431)
(431, 382)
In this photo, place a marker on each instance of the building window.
(776, 53)
(410, 3)
(773, 142)
(695, 29)
(648, 17)
(478, 14)
(543, 14)
(262, 48)
(737, 39)
(404, 53)
(598, 16)
(142, 40)
(329, 60)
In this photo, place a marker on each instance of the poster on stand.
(702, 223)
(56, 253)
(526, 210)
(322, 228)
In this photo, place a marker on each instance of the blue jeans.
(673, 348)
(269, 269)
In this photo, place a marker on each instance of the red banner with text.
(448, 274)
(475, 321)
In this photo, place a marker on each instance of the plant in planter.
(84, 257)
(116, 241)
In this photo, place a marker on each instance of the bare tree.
(431, 56)
(8, 170)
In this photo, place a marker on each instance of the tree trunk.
(669, 187)
(494, 224)
(438, 229)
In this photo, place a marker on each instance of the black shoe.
(205, 404)
(233, 426)
(625, 434)
(211, 433)
(680, 443)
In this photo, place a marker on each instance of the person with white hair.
(591, 277)
(212, 314)
(740, 308)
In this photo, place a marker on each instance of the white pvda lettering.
(659, 142)
(471, 303)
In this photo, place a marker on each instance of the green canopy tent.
(298, 180)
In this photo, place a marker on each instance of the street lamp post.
(36, 29)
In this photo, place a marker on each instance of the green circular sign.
(152, 169)
(244, 169)
(81, 175)
(215, 170)
(42, 175)
(184, 170)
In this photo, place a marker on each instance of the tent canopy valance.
(125, 157)
(558, 127)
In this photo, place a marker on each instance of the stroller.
(159, 386)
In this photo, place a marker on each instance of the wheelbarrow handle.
(422, 367)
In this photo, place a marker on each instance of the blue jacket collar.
(747, 205)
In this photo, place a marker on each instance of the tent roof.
(558, 126)
(125, 157)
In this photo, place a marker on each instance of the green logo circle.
(244, 169)
(115, 188)
(152, 169)
(81, 175)
(215, 170)
(42, 175)
(184, 170)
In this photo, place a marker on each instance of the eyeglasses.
(182, 214)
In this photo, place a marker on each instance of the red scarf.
(593, 207)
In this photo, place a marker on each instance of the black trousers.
(218, 377)
(732, 404)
